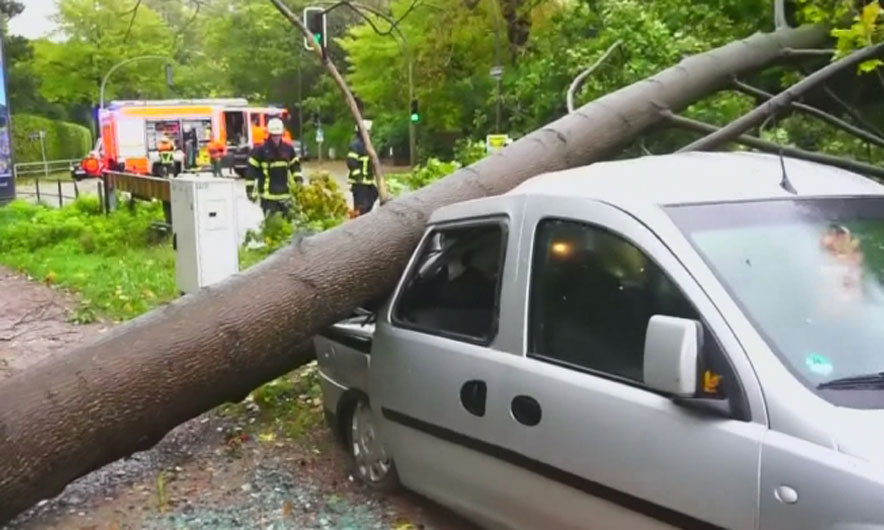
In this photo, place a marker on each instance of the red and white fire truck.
(130, 131)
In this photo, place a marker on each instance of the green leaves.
(855, 25)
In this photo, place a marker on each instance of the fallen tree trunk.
(123, 393)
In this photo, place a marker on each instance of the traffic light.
(314, 20)
(415, 113)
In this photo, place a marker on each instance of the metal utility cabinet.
(204, 223)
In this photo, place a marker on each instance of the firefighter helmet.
(275, 126)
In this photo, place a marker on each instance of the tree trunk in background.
(123, 393)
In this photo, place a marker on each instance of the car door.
(606, 451)
(434, 357)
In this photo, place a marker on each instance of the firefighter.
(276, 170)
(217, 150)
(361, 176)
(166, 149)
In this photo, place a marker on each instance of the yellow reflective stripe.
(272, 165)
(364, 161)
(351, 154)
(254, 162)
(274, 196)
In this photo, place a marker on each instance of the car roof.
(684, 178)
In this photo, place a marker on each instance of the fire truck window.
(235, 125)
(202, 128)
(256, 120)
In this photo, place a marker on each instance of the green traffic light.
(317, 38)
(415, 118)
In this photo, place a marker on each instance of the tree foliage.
(243, 48)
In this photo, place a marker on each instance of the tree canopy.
(243, 48)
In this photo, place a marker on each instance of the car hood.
(859, 433)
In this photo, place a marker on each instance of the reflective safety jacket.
(275, 170)
(359, 164)
(166, 149)
(216, 149)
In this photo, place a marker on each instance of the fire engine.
(130, 131)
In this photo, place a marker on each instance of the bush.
(432, 171)
(467, 151)
(316, 206)
(63, 140)
(319, 204)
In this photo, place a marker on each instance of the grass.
(288, 407)
(117, 264)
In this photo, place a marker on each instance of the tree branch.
(348, 96)
(770, 147)
(849, 109)
(825, 116)
(807, 52)
(754, 117)
(132, 21)
(580, 78)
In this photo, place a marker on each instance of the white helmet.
(275, 126)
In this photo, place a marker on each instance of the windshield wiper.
(872, 381)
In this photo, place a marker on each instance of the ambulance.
(131, 130)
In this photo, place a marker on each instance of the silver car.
(691, 340)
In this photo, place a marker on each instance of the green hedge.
(64, 140)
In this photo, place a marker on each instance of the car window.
(454, 287)
(592, 296)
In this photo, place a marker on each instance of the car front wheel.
(374, 467)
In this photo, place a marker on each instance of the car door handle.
(526, 410)
(473, 395)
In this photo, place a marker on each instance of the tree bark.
(383, 194)
(123, 393)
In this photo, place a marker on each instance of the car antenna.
(785, 183)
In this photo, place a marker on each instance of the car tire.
(370, 461)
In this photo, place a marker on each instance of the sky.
(34, 21)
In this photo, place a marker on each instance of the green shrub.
(63, 140)
(467, 151)
(319, 204)
(432, 171)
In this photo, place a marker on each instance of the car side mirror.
(672, 348)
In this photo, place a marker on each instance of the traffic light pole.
(318, 50)
(406, 49)
(412, 140)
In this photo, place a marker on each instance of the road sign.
(496, 142)
(320, 136)
(496, 72)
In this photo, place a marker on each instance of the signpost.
(496, 142)
(41, 136)
(320, 138)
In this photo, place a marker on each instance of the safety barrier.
(139, 186)
(43, 169)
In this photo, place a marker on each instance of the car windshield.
(809, 274)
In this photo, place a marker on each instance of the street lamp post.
(123, 63)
